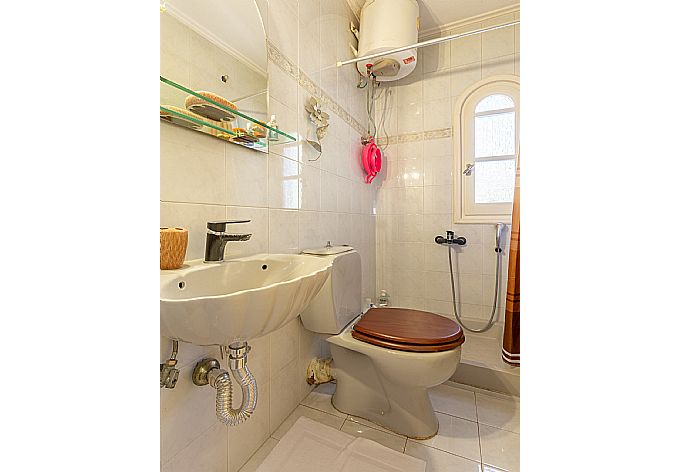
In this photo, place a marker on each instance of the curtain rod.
(426, 43)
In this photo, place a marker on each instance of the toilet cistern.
(217, 238)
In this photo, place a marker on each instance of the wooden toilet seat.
(408, 330)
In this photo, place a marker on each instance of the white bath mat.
(313, 447)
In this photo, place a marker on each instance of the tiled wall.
(415, 201)
(191, 60)
(294, 203)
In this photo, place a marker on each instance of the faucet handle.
(219, 225)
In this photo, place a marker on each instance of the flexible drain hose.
(220, 380)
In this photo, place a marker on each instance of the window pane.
(494, 102)
(494, 181)
(494, 135)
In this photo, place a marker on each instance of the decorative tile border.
(307, 84)
(419, 136)
(275, 56)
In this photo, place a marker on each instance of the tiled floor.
(481, 349)
(481, 363)
(479, 431)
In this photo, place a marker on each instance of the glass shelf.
(237, 126)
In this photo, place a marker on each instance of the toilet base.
(385, 427)
(361, 391)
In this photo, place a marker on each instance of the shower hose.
(496, 289)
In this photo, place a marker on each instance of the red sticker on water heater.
(408, 60)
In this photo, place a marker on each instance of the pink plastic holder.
(371, 160)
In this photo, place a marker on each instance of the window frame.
(464, 208)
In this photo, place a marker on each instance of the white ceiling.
(435, 13)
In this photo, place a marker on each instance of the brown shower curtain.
(511, 329)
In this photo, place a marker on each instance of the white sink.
(218, 303)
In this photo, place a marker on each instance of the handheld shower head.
(499, 233)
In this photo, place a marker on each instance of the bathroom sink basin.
(218, 303)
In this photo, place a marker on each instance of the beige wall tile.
(192, 217)
(438, 170)
(207, 453)
(258, 361)
(310, 188)
(282, 87)
(498, 66)
(437, 114)
(310, 234)
(498, 43)
(284, 347)
(257, 227)
(329, 191)
(247, 437)
(465, 50)
(283, 231)
(283, 395)
(192, 166)
(436, 57)
(468, 260)
(408, 302)
(437, 286)
(283, 182)
(329, 229)
(344, 195)
(464, 76)
(282, 25)
(436, 85)
(187, 411)
(438, 199)
(436, 258)
(246, 174)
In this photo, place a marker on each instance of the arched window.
(486, 129)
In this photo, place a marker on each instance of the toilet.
(385, 359)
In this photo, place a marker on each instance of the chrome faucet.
(450, 239)
(216, 238)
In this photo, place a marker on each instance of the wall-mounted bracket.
(354, 30)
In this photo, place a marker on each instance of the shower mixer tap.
(451, 239)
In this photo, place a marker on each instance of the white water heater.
(384, 25)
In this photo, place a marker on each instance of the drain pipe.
(319, 371)
(208, 372)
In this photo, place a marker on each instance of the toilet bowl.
(385, 359)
